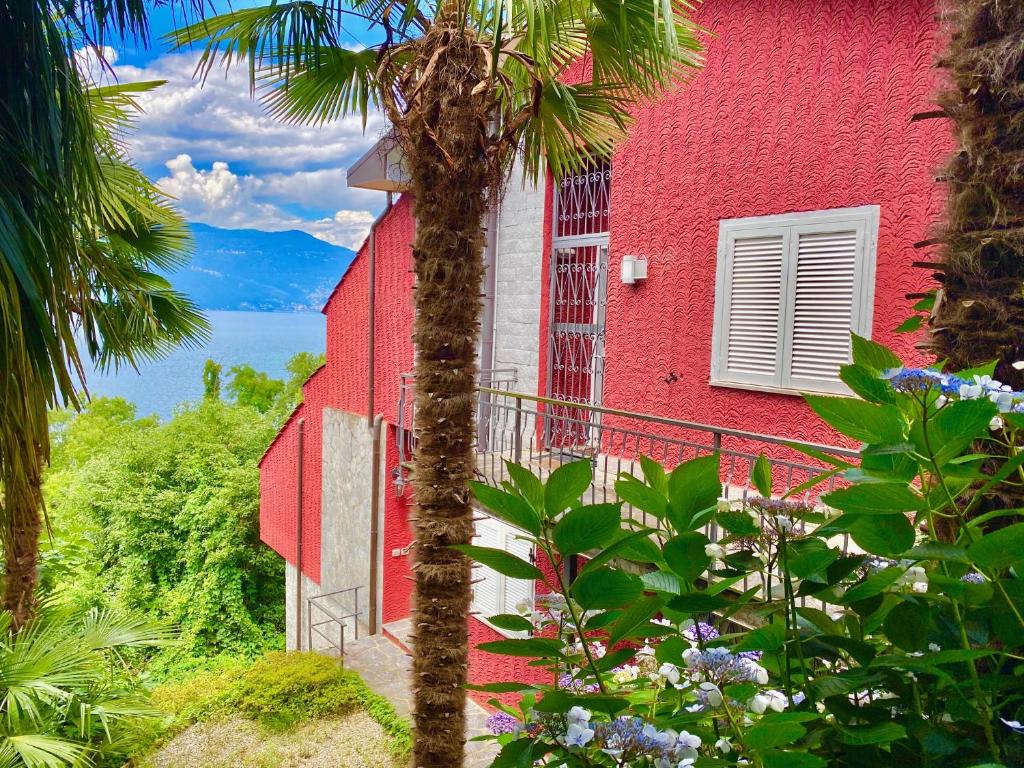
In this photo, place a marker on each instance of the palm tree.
(81, 233)
(468, 87)
(981, 315)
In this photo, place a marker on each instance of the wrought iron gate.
(579, 298)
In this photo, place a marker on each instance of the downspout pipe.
(301, 428)
(490, 281)
(371, 324)
(374, 521)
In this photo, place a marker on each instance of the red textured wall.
(342, 384)
(803, 105)
(397, 572)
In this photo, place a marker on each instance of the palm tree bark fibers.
(981, 317)
(21, 504)
(444, 134)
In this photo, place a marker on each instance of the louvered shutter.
(517, 590)
(488, 586)
(754, 277)
(823, 301)
(790, 289)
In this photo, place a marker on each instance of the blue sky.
(230, 164)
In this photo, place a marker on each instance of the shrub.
(280, 691)
(905, 649)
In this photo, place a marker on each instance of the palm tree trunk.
(444, 134)
(981, 317)
(21, 507)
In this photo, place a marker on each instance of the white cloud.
(220, 197)
(230, 164)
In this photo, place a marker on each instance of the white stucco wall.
(519, 281)
(346, 466)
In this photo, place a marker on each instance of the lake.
(264, 340)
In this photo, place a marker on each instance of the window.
(789, 290)
(494, 593)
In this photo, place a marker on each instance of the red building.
(673, 302)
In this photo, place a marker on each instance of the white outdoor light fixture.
(633, 269)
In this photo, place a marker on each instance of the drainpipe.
(487, 323)
(298, 537)
(374, 521)
(372, 322)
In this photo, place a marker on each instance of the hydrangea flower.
(629, 739)
(503, 722)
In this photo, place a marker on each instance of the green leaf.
(865, 382)
(654, 474)
(528, 484)
(588, 527)
(606, 588)
(566, 485)
(874, 355)
(685, 555)
(766, 735)
(761, 476)
(879, 733)
(659, 581)
(637, 615)
(515, 754)
(873, 585)
(503, 562)
(810, 556)
(638, 494)
(907, 625)
(628, 546)
(860, 420)
(774, 758)
(509, 507)
(528, 647)
(938, 550)
(697, 602)
(694, 487)
(886, 535)
(953, 429)
(911, 325)
(874, 499)
(1000, 549)
(510, 686)
(510, 621)
(769, 638)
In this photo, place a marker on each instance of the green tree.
(468, 87)
(211, 380)
(981, 315)
(82, 233)
(254, 388)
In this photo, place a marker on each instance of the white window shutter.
(517, 590)
(790, 289)
(822, 308)
(752, 338)
(487, 589)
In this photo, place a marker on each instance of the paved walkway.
(386, 668)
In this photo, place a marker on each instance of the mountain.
(247, 269)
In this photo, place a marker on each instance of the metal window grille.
(579, 298)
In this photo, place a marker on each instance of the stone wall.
(346, 467)
(519, 280)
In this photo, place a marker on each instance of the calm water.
(264, 340)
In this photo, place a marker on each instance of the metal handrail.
(666, 421)
(341, 620)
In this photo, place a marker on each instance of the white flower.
(712, 693)
(645, 651)
(578, 736)
(723, 745)
(934, 647)
(724, 505)
(662, 622)
(715, 551)
(626, 674)
(784, 523)
(970, 391)
(689, 655)
(773, 700)
(1014, 724)
(996, 423)
(670, 672)
(760, 674)
(578, 716)
(916, 578)
(920, 587)
(524, 607)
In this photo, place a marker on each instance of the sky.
(227, 162)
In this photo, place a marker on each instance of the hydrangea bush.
(881, 624)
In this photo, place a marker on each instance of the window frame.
(506, 529)
(863, 219)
